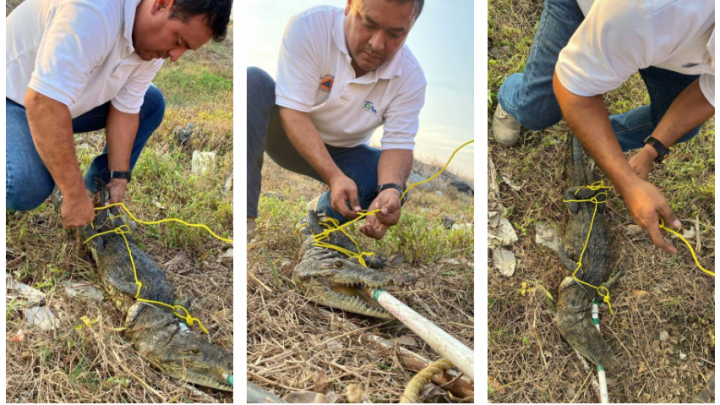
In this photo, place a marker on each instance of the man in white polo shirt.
(83, 65)
(584, 48)
(341, 75)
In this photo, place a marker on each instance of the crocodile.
(575, 300)
(331, 278)
(159, 336)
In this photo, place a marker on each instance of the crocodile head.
(160, 338)
(330, 278)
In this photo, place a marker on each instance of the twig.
(250, 273)
(698, 245)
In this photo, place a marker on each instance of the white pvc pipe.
(447, 346)
(604, 397)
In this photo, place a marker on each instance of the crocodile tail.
(574, 320)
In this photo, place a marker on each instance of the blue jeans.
(530, 99)
(29, 182)
(266, 134)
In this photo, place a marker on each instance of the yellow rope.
(697, 262)
(598, 185)
(122, 230)
(333, 225)
(417, 383)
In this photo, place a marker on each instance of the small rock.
(447, 222)
(438, 192)
(426, 210)
(546, 235)
(82, 146)
(395, 260)
(462, 187)
(183, 134)
(632, 230)
(664, 335)
(416, 178)
(81, 289)
(495, 52)
(683, 356)
(504, 260)
(228, 254)
(284, 262)
(462, 227)
(451, 261)
(202, 162)
(276, 195)
(228, 186)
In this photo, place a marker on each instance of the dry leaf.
(19, 337)
(641, 295)
(504, 260)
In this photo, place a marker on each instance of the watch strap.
(386, 186)
(120, 175)
(659, 147)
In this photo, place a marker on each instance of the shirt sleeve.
(76, 41)
(132, 95)
(402, 116)
(614, 41)
(298, 66)
(707, 81)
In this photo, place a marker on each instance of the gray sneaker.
(506, 129)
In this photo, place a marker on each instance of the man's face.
(156, 36)
(375, 30)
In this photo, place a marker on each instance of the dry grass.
(528, 360)
(292, 346)
(77, 363)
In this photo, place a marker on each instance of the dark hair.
(418, 6)
(217, 11)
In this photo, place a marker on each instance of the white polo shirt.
(78, 52)
(619, 37)
(315, 75)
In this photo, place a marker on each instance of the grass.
(288, 335)
(77, 363)
(528, 360)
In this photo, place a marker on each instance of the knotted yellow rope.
(598, 185)
(122, 230)
(333, 225)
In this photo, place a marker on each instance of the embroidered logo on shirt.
(369, 107)
(326, 83)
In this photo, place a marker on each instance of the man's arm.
(305, 138)
(51, 128)
(120, 131)
(686, 112)
(394, 167)
(589, 120)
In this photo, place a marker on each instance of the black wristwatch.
(661, 150)
(386, 186)
(120, 175)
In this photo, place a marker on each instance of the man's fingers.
(658, 240)
(354, 202)
(668, 216)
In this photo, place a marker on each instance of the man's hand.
(77, 211)
(388, 201)
(642, 161)
(117, 189)
(343, 190)
(646, 204)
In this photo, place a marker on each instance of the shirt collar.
(129, 14)
(387, 70)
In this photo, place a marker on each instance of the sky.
(442, 42)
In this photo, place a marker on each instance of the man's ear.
(348, 7)
(162, 5)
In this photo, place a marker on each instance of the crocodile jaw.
(347, 298)
(575, 322)
(161, 339)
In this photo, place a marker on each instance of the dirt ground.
(664, 322)
(293, 345)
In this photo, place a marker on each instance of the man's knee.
(155, 104)
(537, 116)
(260, 85)
(28, 197)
